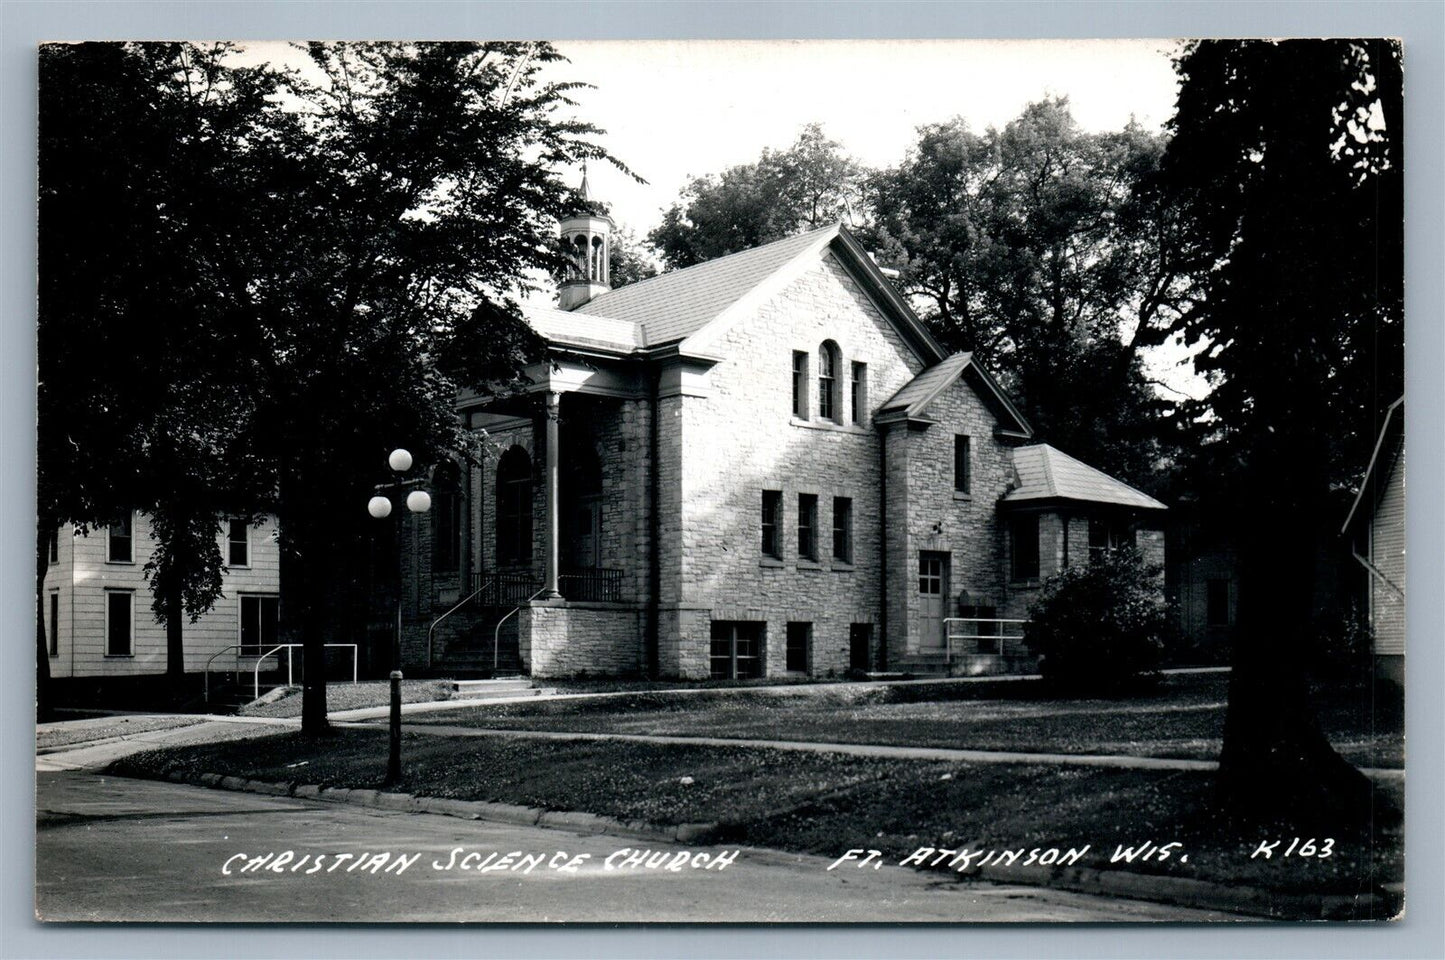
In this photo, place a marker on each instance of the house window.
(55, 546)
(238, 543)
(843, 529)
(53, 639)
(1216, 603)
(772, 518)
(120, 546)
(860, 646)
(808, 526)
(859, 393)
(119, 623)
(1024, 547)
(800, 647)
(962, 465)
(260, 624)
(1106, 536)
(514, 508)
(446, 518)
(828, 406)
(736, 651)
(800, 385)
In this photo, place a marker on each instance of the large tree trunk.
(43, 704)
(175, 638)
(315, 576)
(1276, 759)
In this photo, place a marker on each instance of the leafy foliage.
(1101, 627)
(811, 184)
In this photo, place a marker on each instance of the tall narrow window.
(120, 547)
(859, 393)
(828, 406)
(808, 526)
(514, 508)
(119, 623)
(843, 529)
(800, 385)
(800, 643)
(446, 544)
(772, 517)
(962, 467)
(1024, 547)
(260, 624)
(54, 638)
(238, 543)
(55, 546)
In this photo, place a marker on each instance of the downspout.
(883, 548)
(651, 640)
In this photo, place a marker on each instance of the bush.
(1341, 647)
(1102, 627)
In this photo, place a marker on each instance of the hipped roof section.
(1046, 473)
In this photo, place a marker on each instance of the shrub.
(1101, 627)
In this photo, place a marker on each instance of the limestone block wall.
(560, 638)
(743, 439)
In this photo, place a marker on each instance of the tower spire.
(587, 237)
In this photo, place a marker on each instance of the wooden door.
(932, 589)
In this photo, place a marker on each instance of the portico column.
(550, 590)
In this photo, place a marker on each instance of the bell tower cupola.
(587, 239)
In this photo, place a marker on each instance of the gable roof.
(917, 394)
(1047, 473)
(566, 327)
(1383, 457)
(673, 305)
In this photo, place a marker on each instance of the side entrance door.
(932, 608)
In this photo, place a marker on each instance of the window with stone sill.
(800, 385)
(1024, 548)
(829, 405)
(843, 529)
(771, 522)
(808, 527)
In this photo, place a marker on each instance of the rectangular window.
(808, 526)
(1216, 603)
(1106, 536)
(800, 385)
(238, 543)
(843, 529)
(962, 464)
(55, 546)
(119, 623)
(772, 519)
(1024, 547)
(859, 393)
(54, 638)
(736, 650)
(260, 623)
(800, 646)
(120, 546)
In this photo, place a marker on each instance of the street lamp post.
(379, 506)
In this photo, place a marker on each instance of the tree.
(137, 401)
(627, 260)
(811, 184)
(1038, 248)
(1286, 158)
(362, 240)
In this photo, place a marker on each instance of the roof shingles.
(1047, 473)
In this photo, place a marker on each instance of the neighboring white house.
(1376, 526)
(98, 617)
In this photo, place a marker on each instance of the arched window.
(446, 514)
(599, 260)
(514, 508)
(829, 407)
(579, 256)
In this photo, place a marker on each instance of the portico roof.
(1047, 473)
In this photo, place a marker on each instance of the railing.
(505, 589)
(485, 587)
(594, 585)
(986, 632)
(261, 658)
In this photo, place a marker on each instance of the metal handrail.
(497, 633)
(949, 636)
(430, 632)
(262, 658)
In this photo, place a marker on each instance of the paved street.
(110, 848)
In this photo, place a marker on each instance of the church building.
(759, 466)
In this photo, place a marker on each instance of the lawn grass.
(353, 696)
(1184, 718)
(817, 803)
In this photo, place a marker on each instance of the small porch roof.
(1047, 473)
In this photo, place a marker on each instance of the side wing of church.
(762, 465)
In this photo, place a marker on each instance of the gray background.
(25, 24)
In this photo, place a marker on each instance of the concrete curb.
(570, 820)
(1383, 904)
